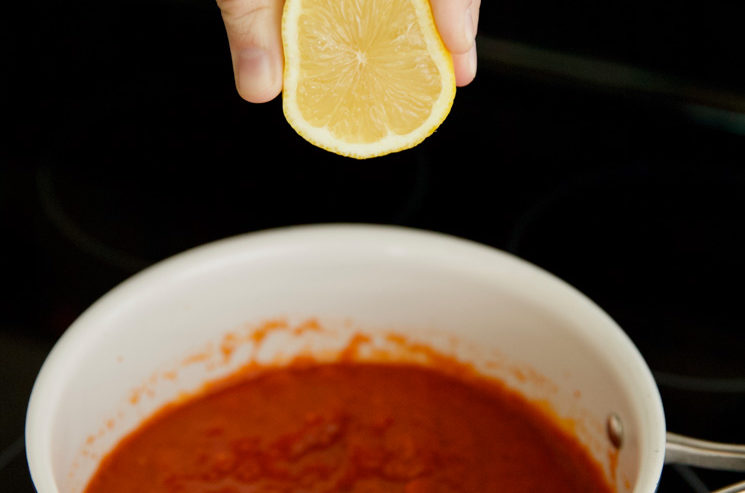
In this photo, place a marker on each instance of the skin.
(253, 29)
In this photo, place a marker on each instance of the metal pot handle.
(681, 449)
(735, 488)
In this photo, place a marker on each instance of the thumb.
(253, 29)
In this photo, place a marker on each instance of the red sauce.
(350, 427)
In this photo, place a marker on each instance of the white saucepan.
(189, 319)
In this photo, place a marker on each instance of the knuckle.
(243, 9)
(248, 22)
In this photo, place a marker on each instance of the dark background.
(602, 141)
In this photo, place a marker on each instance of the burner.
(124, 189)
(662, 252)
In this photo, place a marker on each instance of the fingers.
(465, 65)
(253, 28)
(457, 21)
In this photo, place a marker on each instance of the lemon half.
(364, 78)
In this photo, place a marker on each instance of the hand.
(253, 28)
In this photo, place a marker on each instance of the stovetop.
(130, 145)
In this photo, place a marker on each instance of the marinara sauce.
(350, 427)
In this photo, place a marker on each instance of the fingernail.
(473, 59)
(255, 73)
(469, 28)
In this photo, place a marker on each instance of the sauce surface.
(349, 427)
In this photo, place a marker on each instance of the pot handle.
(735, 488)
(702, 453)
(681, 449)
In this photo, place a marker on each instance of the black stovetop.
(129, 144)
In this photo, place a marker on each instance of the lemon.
(364, 78)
